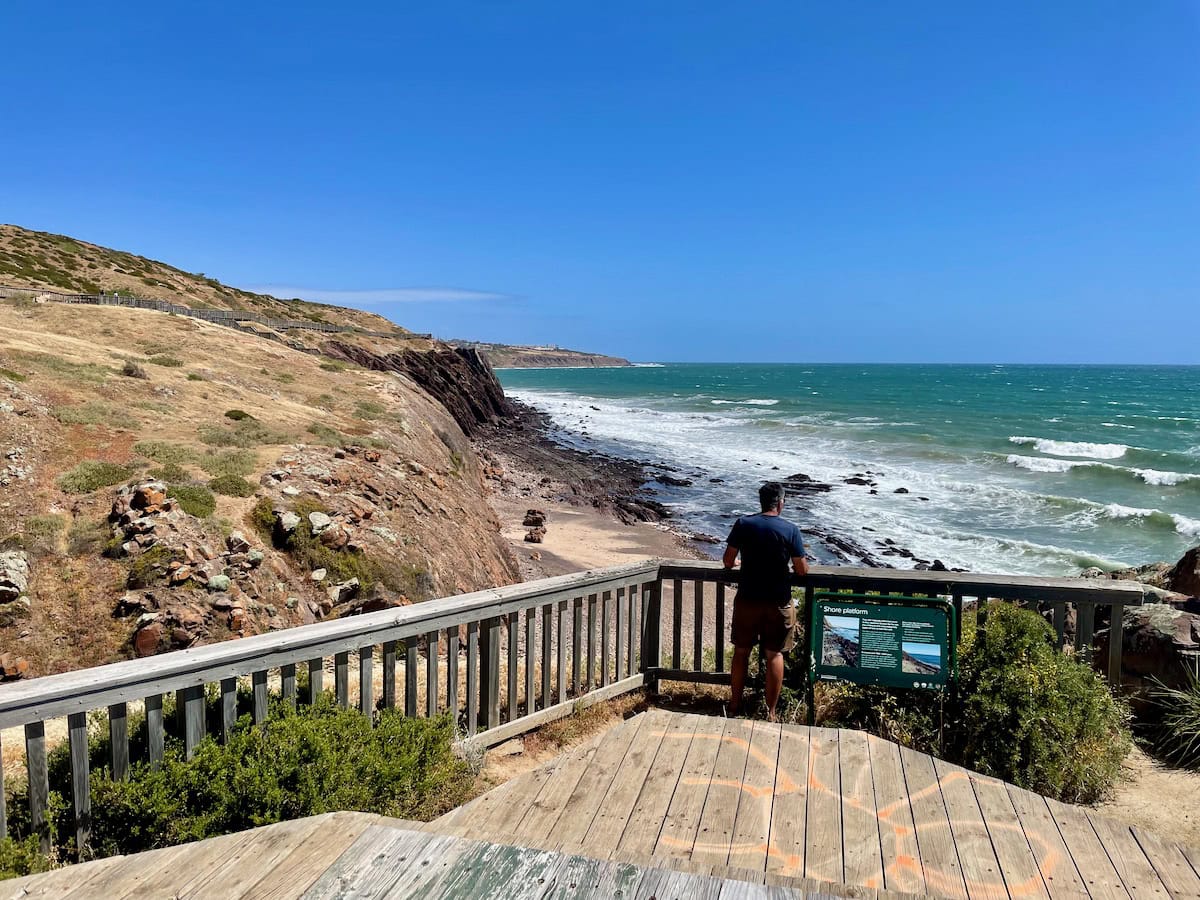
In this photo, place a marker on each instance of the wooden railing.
(531, 652)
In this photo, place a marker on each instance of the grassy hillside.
(38, 259)
(237, 431)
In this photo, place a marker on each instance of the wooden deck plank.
(539, 820)
(58, 881)
(1018, 864)
(593, 787)
(645, 823)
(1100, 877)
(862, 855)
(608, 825)
(1046, 843)
(682, 818)
(506, 811)
(253, 859)
(376, 851)
(976, 855)
(1170, 863)
(823, 829)
(935, 839)
(901, 856)
(751, 839)
(199, 858)
(1136, 872)
(789, 811)
(715, 829)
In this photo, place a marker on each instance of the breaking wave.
(1072, 448)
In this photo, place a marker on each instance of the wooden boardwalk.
(670, 806)
(837, 808)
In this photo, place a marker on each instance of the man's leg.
(774, 681)
(737, 677)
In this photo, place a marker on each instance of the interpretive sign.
(892, 641)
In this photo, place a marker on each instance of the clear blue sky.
(667, 180)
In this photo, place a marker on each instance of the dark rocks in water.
(900, 490)
(938, 566)
(701, 538)
(672, 481)
(923, 498)
(716, 481)
(873, 491)
(799, 485)
(856, 479)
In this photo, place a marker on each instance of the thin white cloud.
(380, 297)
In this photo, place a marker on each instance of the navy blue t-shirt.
(767, 545)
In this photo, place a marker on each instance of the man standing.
(763, 609)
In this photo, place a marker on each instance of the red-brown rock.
(148, 638)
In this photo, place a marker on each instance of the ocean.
(1024, 469)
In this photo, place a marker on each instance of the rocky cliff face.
(458, 378)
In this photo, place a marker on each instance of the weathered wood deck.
(670, 805)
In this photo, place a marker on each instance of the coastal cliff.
(504, 356)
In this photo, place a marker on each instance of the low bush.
(22, 857)
(304, 762)
(193, 376)
(165, 452)
(194, 499)
(237, 414)
(92, 475)
(285, 378)
(96, 412)
(131, 369)
(246, 433)
(333, 365)
(231, 486)
(13, 376)
(40, 534)
(229, 462)
(169, 362)
(170, 473)
(87, 537)
(148, 567)
(78, 371)
(1176, 735)
(369, 410)
(326, 435)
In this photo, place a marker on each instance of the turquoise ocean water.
(1027, 469)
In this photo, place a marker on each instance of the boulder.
(344, 592)
(336, 537)
(534, 518)
(535, 535)
(237, 543)
(286, 523)
(14, 575)
(147, 639)
(14, 611)
(254, 558)
(318, 575)
(900, 490)
(13, 667)
(1184, 577)
(150, 494)
(1160, 641)
(319, 522)
(219, 583)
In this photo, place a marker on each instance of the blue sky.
(668, 181)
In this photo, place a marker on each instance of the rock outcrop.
(1160, 642)
(1184, 577)
(460, 379)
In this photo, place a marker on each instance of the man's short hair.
(770, 495)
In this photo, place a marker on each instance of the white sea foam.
(1117, 425)
(1040, 464)
(1153, 476)
(1187, 527)
(1072, 448)
(753, 401)
(1117, 511)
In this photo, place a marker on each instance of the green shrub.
(333, 365)
(148, 567)
(131, 369)
(92, 475)
(304, 762)
(165, 452)
(193, 376)
(194, 499)
(96, 412)
(369, 410)
(1034, 716)
(326, 435)
(237, 414)
(285, 378)
(1176, 736)
(40, 534)
(13, 376)
(170, 473)
(232, 486)
(86, 538)
(262, 518)
(246, 433)
(169, 362)
(22, 857)
(59, 366)
(229, 462)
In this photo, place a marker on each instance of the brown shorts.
(774, 625)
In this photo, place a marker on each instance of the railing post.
(652, 628)
(489, 671)
(118, 740)
(39, 781)
(81, 789)
(1116, 640)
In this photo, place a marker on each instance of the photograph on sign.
(922, 659)
(842, 642)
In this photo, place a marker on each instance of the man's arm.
(800, 565)
(730, 558)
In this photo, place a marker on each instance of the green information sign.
(901, 642)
